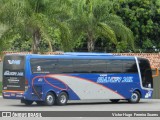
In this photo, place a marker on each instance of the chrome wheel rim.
(134, 97)
(50, 99)
(63, 99)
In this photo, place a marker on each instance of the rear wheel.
(27, 102)
(62, 99)
(114, 100)
(50, 99)
(135, 97)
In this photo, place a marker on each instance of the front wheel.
(135, 97)
(62, 99)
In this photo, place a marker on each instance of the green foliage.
(49, 25)
(28, 19)
(147, 44)
(3, 30)
(93, 19)
(142, 17)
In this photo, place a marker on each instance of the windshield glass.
(146, 73)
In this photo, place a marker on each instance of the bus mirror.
(157, 72)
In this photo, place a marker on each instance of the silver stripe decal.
(88, 90)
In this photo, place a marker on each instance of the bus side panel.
(42, 84)
(87, 86)
(108, 86)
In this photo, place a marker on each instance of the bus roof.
(79, 55)
(87, 54)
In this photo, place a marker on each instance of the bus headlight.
(149, 85)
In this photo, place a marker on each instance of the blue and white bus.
(55, 79)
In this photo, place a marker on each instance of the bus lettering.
(114, 79)
(8, 73)
(15, 62)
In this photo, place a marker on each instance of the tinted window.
(65, 66)
(129, 66)
(146, 73)
(114, 66)
(14, 72)
(14, 62)
(81, 66)
(98, 66)
(44, 65)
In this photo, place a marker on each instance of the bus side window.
(81, 66)
(114, 66)
(65, 66)
(130, 66)
(43, 65)
(98, 66)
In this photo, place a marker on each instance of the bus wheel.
(27, 102)
(62, 99)
(50, 99)
(135, 97)
(114, 100)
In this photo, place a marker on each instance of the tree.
(93, 19)
(3, 44)
(32, 19)
(142, 17)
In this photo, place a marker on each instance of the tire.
(40, 103)
(135, 97)
(62, 99)
(27, 102)
(50, 99)
(114, 100)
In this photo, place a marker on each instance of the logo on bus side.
(111, 79)
(8, 73)
(14, 62)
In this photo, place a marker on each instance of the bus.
(55, 79)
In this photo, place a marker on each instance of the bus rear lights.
(26, 82)
(26, 85)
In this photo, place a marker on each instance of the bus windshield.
(146, 73)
